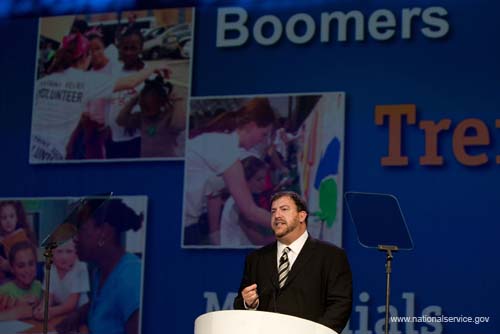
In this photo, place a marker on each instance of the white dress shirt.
(295, 248)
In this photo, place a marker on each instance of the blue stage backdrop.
(422, 122)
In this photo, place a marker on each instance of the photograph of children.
(112, 86)
(87, 289)
(241, 150)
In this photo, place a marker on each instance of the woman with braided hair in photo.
(116, 282)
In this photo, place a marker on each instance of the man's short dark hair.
(300, 203)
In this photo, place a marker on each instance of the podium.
(255, 322)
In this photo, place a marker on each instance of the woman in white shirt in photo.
(213, 162)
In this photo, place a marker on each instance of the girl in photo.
(126, 142)
(69, 282)
(20, 296)
(14, 228)
(235, 230)
(88, 141)
(101, 60)
(160, 120)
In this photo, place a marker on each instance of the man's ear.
(302, 216)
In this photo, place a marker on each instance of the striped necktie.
(283, 267)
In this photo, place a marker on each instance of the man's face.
(285, 219)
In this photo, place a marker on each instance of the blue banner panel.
(422, 123)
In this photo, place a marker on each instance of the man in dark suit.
(297, 275)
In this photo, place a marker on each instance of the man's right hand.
(250, 296)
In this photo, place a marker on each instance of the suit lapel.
(304, 256)
(271, 266)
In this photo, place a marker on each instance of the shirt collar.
(295, 246)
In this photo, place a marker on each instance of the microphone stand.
(48, 254)
(388, 249)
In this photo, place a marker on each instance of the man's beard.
(290, 227)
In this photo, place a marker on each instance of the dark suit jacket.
(318, 287)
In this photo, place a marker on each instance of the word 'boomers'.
(300, 28)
